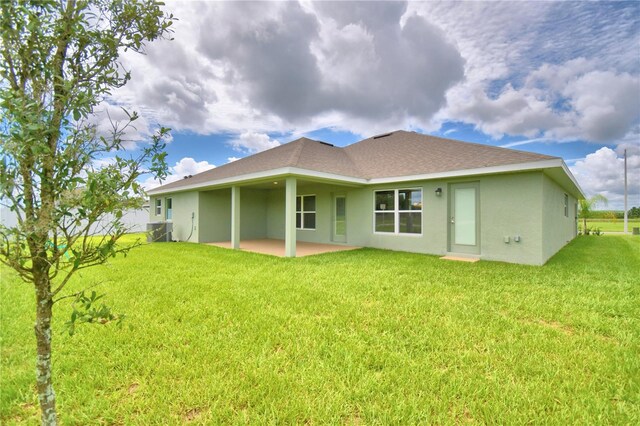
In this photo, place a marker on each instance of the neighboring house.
(399, 191)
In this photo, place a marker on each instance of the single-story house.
(399, 191)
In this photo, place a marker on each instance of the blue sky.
(558, 78)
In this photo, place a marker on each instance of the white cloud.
(534, 69)
(232, 159)
(185, 167)
(287, 67)
(571, 101)
(109, 118)
(252, 142)
(606, 104)
(602, 172)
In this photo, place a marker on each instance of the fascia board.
(566, 170)
(305, 173)
(268, 174)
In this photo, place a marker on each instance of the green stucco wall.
(557, 229)
(253, 220)
(275, 213)
(214, 222)
(183, 204)
(526, 205)
(215, 215)
(510, 205)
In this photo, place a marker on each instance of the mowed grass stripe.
(359, 337)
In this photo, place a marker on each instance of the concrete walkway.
(276, 247)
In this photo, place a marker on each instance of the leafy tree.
(586, 206)
(633, 213)
(59, 60)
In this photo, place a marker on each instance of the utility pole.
(626, 219)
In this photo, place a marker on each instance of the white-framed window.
(306, 212)
(168, 209)
(398, 211)
(566, 205)
(158, 206)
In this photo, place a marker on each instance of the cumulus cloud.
(602, 172)
(570, 101)
(359, 52)
(109, 118)
(289, 67)
(606, 104)
(185, 167)
(252, 142)
(292, 67)
(536, 69)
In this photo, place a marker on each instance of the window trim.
(396, 212)
(302, 211)
(566, 204)
(158, 207)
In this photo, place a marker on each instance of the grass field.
(610, 225)
(358, 337)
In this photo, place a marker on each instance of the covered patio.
(275, 247)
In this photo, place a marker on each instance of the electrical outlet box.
(516, 238)
(507, 240)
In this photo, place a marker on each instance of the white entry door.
(464, 218)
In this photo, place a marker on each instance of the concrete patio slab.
(461, 258)
(276, 247)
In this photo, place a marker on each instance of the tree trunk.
(46, 395)
(584, 230)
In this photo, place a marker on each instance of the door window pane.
(298, 220)
(465, 216)
(168, 209)
(341, 209)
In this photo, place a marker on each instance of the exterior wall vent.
(383, 135)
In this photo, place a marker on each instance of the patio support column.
(235, 217)
(290, 218)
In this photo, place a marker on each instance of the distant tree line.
(633, 213)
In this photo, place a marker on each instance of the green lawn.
(610, 225)
(357, 337)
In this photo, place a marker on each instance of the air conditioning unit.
(159, 232)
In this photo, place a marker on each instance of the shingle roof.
(404, 153)
(303, 153)
(396, 154)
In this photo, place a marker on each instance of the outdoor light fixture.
(438, 192)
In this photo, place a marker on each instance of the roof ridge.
(295, 155)
(357, 169)
(485, 145)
